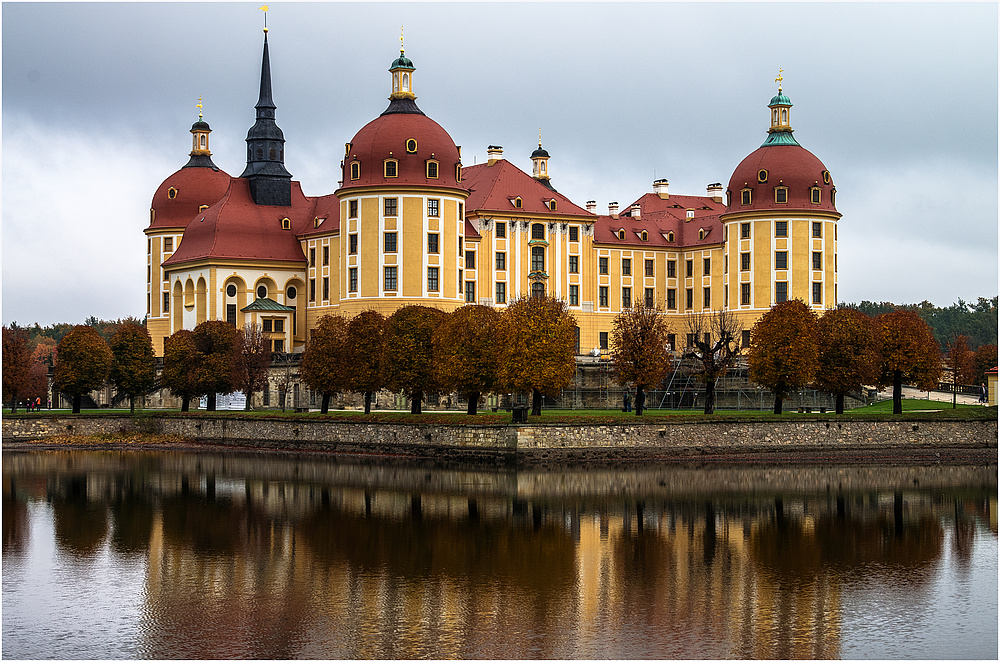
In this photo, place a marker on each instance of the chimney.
(592, 206)
(635, 210)
(660, 188)
(613, 209)
(494, 153)
(715, 192)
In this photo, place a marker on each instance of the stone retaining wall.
(526, 444)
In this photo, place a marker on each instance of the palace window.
(649, 267)
(745, 196)
(689, 269)
(574, 264)
(501, 231)
(649, 297)
(470, 291)
(391, 168)
(817, 292)
(817, 229)
(501, 261)
(352, 247)
(814, 195)
(390, 278)
(517, 202)
(706, 297)
(432, 170)
(355, 170)
(602, 265)
(621, 235)
(537, 290)
(780, 194)
(432, 279)
(352, 281)
(432, 242)
(411, 146)
(389, 207)
(602, 296)
(780, 259)
(574, 233)
(389, 243)
(312, 257)
(326, 285)
(626, 297)
(262, 291)
(432, 207)
(552, 205)
(538, 231)
(470, 259)
(707, 266)
(689, 298)
(603, 339)
(671, 299)
(352, 209)
(312, 289)
(626, 266)
(574, 295)
(780, 292)
(781, 228)
(501, 292)
(671, 268)
(537, 258)
(817, 260)
(168, 244)
(744, 230)
(744, 294)
(761, 176)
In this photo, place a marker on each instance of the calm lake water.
(173, 555)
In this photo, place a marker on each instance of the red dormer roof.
(659, 218)
(496, 187)
(238, 229)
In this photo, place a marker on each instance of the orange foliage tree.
(639, 350)
(910, 355)
(537, 340)
(784, 354)
(984, 358)
(16, 363)
(83, 363)
(133, 365)
(465, 352)
(326, 364)
(960, 361)
(366, 333)
(408, 352)
(848, 353)
(216, 342)
(180, 360)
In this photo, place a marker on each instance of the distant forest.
(976, 321)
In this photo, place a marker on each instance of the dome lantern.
(540, 162)
(780, 132)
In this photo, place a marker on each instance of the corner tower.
(270, 183)
(780, 225)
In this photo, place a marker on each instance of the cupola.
(780, 132)
(201, 157)
(540, 161)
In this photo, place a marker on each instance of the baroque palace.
(409, 224)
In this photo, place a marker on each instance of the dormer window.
(317, 222)
(780, 194)
(286, 224)
(644, 236)
(745, 196)
(701, 233)
(815, 196)
(517, 202)
(826, 176)
(670, 236)
(171, 193)
(355, 170)
(621, 234)
(391, 168)
(411, 146)
(690, 213)
(761, 176)
(432, 170)
(347, 149)
(552, 205)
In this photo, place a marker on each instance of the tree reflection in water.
(290, 556)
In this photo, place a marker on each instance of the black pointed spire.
(270, 183)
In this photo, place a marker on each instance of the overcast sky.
(898, 100)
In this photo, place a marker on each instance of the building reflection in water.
(290, 557)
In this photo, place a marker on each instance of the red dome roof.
(790, 166)
(192, 188)
(388, 137)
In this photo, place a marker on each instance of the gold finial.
(199, 108)
(779, 78)
(264, 9)
(539, 137)
(400, 38)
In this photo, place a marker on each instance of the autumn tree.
(43, 358)
(984, 358)
(465, 352)
(133, 365)
(848, 353)
(180, 366)
(784, 354)
(408, 352)
(537, 340)
(366, 332)
(216, 342)
(83, 363)
(252, 360)
(16, 363)
(961, 361)
(910, 355)
(713, 347)
(639, 350)
(326, 364)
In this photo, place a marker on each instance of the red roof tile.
(495, 187)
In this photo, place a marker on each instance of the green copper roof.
(402, 62)
(780, 99)
(780, 138)
(268, 305)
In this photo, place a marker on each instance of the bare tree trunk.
(131, 404)
(211, 402)
(185, 403)
(640, 399)
(368, 402)
(246, 406)
(536, 402)
(840, 403)
(77, 399)
(13, 404)
(325, 407)
(709, 396)
(415, 400)
(777, 405)
(473, 403)
(897, 392)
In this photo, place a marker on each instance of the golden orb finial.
(779, 79)
(400, 38)
(199, 107)
(264, 9)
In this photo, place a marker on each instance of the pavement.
(933, 396)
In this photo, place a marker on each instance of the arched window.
(203, 141)
(537, 290)
(670, 236)
(621, 235)
(262, 291)
(355, 170)
(517, 202)
(645, 236)
(406, 82)
(784, 116)
(745, 196)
